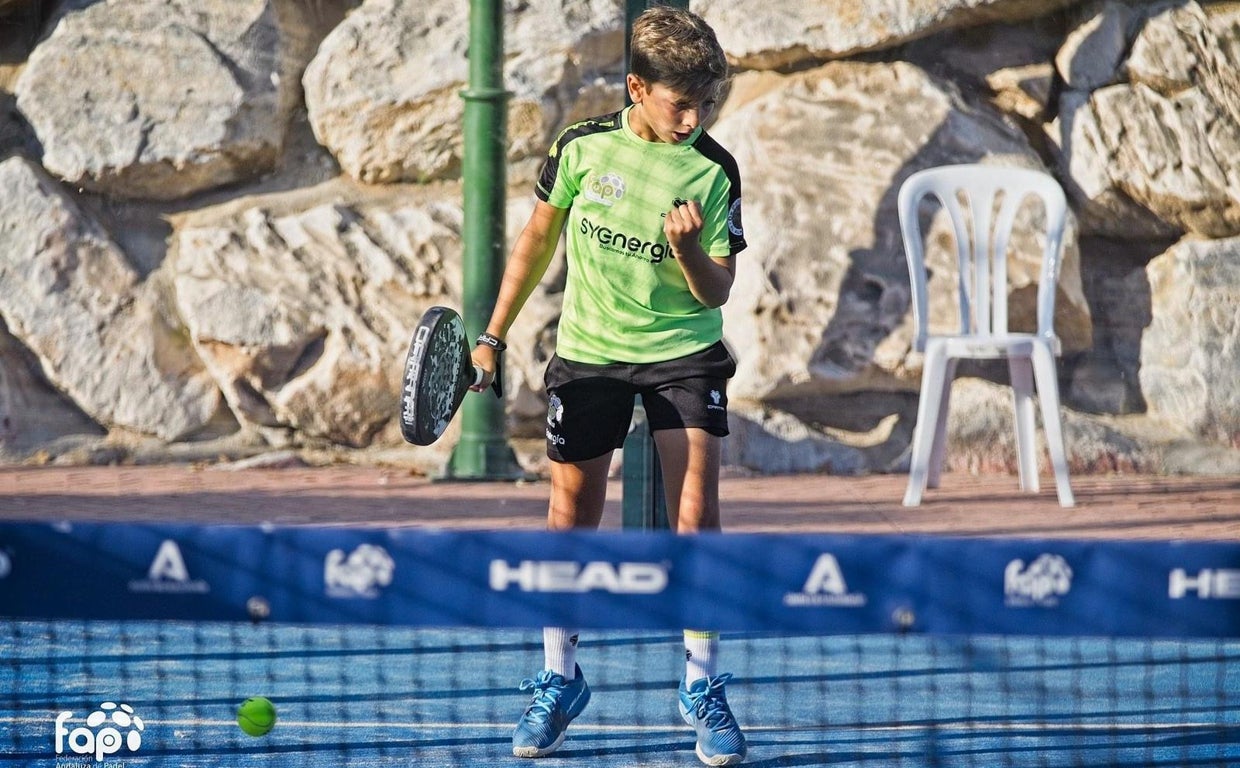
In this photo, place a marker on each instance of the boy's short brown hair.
(675, 47)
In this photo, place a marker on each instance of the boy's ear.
(637, 87)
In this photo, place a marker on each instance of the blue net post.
(644, 506)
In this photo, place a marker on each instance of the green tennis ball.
(256, 716)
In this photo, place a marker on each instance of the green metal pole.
(483, 452)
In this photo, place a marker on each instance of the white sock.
(701, 655)
(560, 651)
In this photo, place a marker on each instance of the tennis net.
(132, 645)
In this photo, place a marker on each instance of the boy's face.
(664, 114)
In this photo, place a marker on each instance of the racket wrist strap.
(497, 344)
(494, 342)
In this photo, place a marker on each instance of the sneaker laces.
(546, 695)
(710, 704)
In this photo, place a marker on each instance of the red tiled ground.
(1120, 506)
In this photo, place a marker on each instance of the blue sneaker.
(556, 702)
(704, 706)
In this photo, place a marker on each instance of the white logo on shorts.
(555, 411)
(555, 417)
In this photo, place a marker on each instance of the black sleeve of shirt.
(715, 152)
(551, 167)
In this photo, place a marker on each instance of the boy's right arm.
(526, 266)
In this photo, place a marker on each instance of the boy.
(652, 206)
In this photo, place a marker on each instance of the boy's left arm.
(710, 279)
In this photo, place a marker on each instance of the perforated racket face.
(438, 373)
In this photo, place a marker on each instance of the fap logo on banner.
(1040, 583)
(106, 731)
(362, 573)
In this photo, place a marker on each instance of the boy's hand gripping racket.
(438, 373)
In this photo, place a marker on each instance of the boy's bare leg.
(690, 460)
(577, 495)
(578, 491)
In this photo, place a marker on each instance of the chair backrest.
(982, 241)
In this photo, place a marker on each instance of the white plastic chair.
(982, 247)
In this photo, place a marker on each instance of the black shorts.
(590, 407)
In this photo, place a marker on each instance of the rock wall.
(221, 219)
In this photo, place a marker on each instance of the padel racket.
(438, 373)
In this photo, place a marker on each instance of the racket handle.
(497, 383)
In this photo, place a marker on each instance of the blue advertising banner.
(822, 584)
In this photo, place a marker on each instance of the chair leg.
(932, 382)
(940, 427)
(1048, 395)
(1021, 370)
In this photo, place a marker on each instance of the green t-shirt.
(626, 299)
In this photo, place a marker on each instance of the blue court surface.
(369, 696)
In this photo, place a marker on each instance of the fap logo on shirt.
(604, 190)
